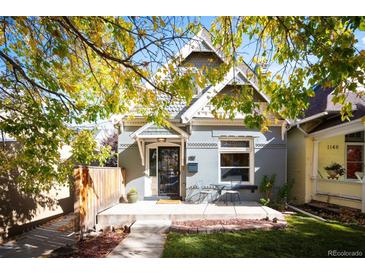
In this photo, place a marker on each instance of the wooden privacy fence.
(96, 189)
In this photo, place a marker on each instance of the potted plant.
(334, 171)
(132, 195)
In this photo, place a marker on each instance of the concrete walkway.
(40, 241)
(146, 240)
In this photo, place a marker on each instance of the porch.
(126, 214)
(338, 165)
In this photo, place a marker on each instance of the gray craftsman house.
(198, 150)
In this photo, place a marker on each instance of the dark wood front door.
(169, 171)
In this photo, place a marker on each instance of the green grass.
(304, 237)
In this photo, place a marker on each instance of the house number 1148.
(332, 146)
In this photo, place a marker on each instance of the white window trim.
(363, 160)
(249, 150)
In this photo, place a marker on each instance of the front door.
(169, 171)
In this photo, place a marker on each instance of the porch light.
(161, 140)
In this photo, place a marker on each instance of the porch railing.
(343, 189)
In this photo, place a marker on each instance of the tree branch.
(106, 55)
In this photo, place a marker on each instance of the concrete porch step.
(151, 226)
(156, 198)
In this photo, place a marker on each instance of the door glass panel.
(169, 171)
(153, 161)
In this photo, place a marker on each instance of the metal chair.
(205, 192)
(190, 193)
(233, 193)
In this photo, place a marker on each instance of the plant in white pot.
(334, 171)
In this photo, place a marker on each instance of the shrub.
(284, 192)
(265, 201)
(283, 196)
(266, 187)
(111, 141)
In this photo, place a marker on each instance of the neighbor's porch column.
(315, 166)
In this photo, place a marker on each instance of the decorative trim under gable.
(201, 145)
(124, 146)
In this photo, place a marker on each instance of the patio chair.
(205, 192)
(359, 175)
(190, 193)
(232, 192)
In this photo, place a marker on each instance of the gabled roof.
(202, 42)
(206, 97)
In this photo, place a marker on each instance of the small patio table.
(231, 190)
(219, 188)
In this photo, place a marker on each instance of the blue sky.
(360, 35)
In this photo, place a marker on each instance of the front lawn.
(304, 237)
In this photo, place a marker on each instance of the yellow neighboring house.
(326, 155)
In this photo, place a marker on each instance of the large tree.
(304, 51)
(57, 72)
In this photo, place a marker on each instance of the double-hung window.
(236, 161)
(354, 154)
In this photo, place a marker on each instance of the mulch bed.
(93, 247)
(338, 213)
(212, 226)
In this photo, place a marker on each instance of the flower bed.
(93, 247)
(212, 226)
(338, 213)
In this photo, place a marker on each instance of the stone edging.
(265, 225)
